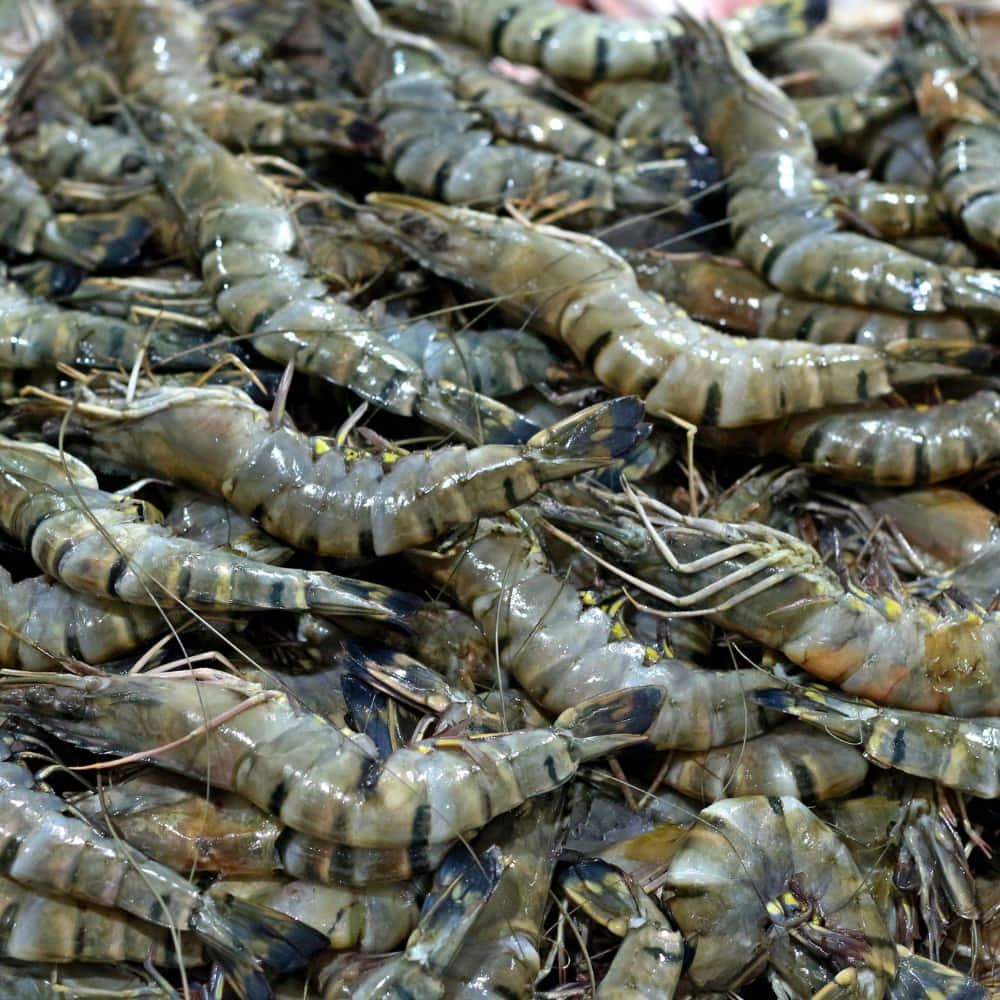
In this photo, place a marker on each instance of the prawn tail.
(601, 892)
(814, 704)
(110, 239)
(366, 600)
(611, 721)
(241, 937)
(448, 915)
(588, 439)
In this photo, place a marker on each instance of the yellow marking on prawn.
(789, 900)
(856, 603)
(619, 631)
(614, 607)
(892, 608)
(321, 447)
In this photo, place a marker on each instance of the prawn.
(783, 223)
(731, 296)
(960, 108)
(826, 66)
(169, 819)
(416, 973)
(961, 544)
(65, 145)
(313, 776)
(787, 760)
(374, 919)
(562, 651)
(37, 333)
(43, 623)
(133, 558)
(29, 30)
(896, 151)
(164, 48)
(437, 145)
(321, 497)
(831, 118)
(582, 46)
(44, 850)
(648, 119)
(905, 446)
(500, 957)
(773, 587)
(893, 211)
(51, 929)
(761, 881)
(517, 117)
(959, 753)
(579, 291)
(247, 239)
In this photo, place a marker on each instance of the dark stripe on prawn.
(420, 829)
(499, 25)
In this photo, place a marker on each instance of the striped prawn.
(108, 545)
(562, 651)
(246, 239)
(775, 588)
(322, 497)
(762, 882)
(570, 43)
(783, 222)
(575, 289)
(45, 850)
(312, 775)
